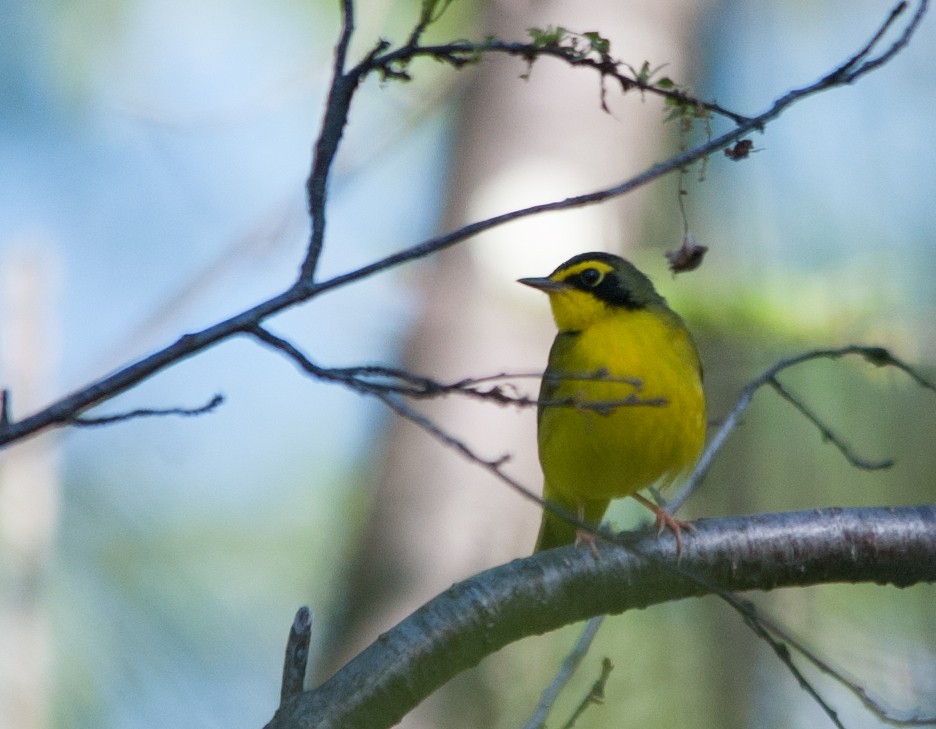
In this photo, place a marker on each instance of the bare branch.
(463, 53)
(860, 64)
(380, 380)
(69, 407)
(895, 545)
(877, 355)
(754, 622)
(149, 413)
(875, 705)
(595, 694)
(326, 146)
(826, 432)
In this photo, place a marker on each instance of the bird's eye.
(591, 277)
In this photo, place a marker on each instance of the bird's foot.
(583, 536)
(665, 520)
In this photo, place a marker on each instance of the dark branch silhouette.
(149, 413)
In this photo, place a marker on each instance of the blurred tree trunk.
(29, 483)
(435, 517)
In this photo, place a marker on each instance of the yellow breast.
(597, 448)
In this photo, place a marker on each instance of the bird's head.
(591, 286)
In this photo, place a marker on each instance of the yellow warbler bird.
(621, 405)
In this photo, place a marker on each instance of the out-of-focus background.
(152, 161)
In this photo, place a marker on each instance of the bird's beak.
(543, 284)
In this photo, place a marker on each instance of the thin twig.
(876, 355)
(491, 465)
(564, 674)
(83, 421)
(463, 53)
(876, 706)
(595, 694)
(826, 432)
(377, 379)
(394, 402)
(857, 65)
(783, 653)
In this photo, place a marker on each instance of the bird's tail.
(556, 531)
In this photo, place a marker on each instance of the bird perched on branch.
(621, 405)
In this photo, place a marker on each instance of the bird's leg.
(665, 520)
(584, 536)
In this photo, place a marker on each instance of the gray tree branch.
(476, 617)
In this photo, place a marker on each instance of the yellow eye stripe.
(561, 274)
